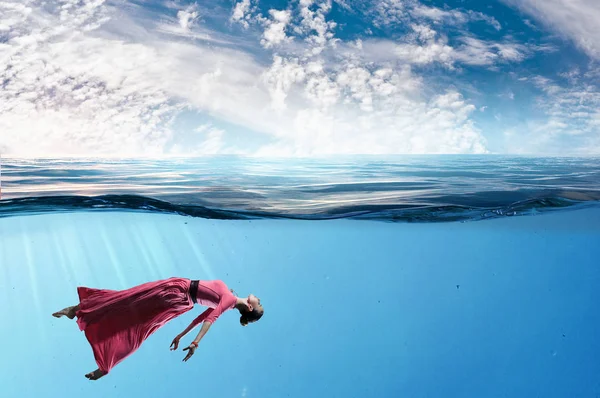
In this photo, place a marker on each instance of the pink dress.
(215, 295)
(116, 322)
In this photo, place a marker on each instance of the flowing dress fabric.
(116, 322)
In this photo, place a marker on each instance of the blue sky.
(299, 78)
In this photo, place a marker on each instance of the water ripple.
(397, 188)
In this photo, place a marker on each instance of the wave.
(390, 213)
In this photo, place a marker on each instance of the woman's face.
(255, 302)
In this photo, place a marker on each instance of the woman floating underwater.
(116, 322)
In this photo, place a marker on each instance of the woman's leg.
(69, 312)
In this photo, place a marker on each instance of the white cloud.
(431, 52)
(573, 110)
(213, 142)
(575, 19)
(545, 84)
(428, 43)
(426, 47)
(13, 15)
(321, 90)
(424, 32)
(511, 52)
(437, 14)
(479, 16)
(274, 33)
(415, 52)
(474, 51)
(349, 102)
(242, 14)
(91, 79)
(569, 122)
(185, 24)
(188, 17)
(205, 140)
(373, 111)
(389, 12)
(343, 4)
(48, 102)
(314, 24)
(280, 77)
(70, 88)
(307, 21)
(400, 12)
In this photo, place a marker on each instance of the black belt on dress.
(194, 290)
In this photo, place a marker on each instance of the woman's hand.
(192, 348)
(175, 343)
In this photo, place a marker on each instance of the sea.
(381, 276)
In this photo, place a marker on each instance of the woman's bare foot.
(69, 312)
(95, 375)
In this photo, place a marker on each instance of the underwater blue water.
(499, 306)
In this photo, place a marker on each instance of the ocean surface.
(405, 276)
(399, 188)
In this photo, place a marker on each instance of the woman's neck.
(241, 304)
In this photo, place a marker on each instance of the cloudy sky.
(299, 78)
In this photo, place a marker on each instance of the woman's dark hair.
(250, 316)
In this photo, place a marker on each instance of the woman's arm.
(195, 322)
(209, 317)
(187, 330)
(194, 344)
(205, 326)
